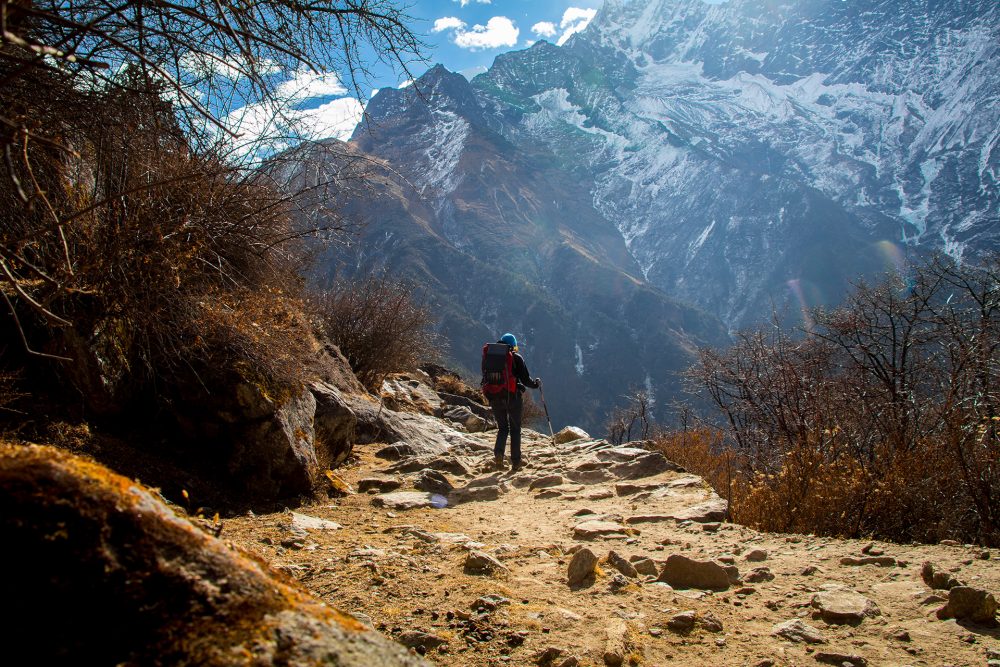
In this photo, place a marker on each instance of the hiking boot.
(498, 462)
(515, 466)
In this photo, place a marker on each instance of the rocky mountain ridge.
(743, 158)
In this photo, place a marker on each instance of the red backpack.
(498, 369)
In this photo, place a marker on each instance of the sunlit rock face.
(742, 158)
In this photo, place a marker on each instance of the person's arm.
(521, 372)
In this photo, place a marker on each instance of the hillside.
(470, 565)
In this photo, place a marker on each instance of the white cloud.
(463, 3)
(337, 118)
(305, 84)
(408, 82)
(528, 43)
(573, 21)
(447, 23)
(498, 31)
(266, 128)
(544, 29)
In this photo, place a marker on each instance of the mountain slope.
(741, 157)
(741, 146)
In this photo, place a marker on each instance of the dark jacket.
(522, 375)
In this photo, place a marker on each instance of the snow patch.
(579, 360)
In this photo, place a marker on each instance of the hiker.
(505, 377)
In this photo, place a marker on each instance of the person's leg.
(514, 416)
(501, 416)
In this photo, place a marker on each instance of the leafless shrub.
(883, 421)
(632, 418)
(131, 244)
(379, 324)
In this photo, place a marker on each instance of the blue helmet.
(509, 339)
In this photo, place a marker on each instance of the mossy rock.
(100, 571)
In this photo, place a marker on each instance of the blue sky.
(463, 35)
(469, 34)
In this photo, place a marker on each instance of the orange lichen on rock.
(108, 572)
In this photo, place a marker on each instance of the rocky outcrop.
(334, 425)
(124, 580)
(274, 455)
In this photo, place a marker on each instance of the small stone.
(570, 434)
(418, 639)
(683, 622)
(759, 575)
(645, 566)
(711, 527)
(881, 561)
(984, 555)
(433, 482)
(683, 572)
(809, 570)
(546, 482)
(589, 530)
(937, 579)
(547, 656)
(407, 500)
(619, 563)
(379, 484)
(489, 603)
(581, 567)
(756, 556)
(709, 622)
(478, 562)
(708, 512)
(842, 606)
(798, 632)
(306, 522)
(840, 659)
(620, 643)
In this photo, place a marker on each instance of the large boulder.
(410, 394)
(334, 425)
(127, 581)
(273, 454)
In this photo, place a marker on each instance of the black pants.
(507, 412)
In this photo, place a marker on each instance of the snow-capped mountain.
(743, 146)
(739, 157)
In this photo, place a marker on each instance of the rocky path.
(601, 555)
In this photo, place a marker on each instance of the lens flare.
(795, 287)
(893, 256)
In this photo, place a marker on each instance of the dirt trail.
(405, 571)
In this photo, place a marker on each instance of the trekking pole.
(546, 408)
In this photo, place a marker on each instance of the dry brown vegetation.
(135, 253)
(380, 325)
(883, 420)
